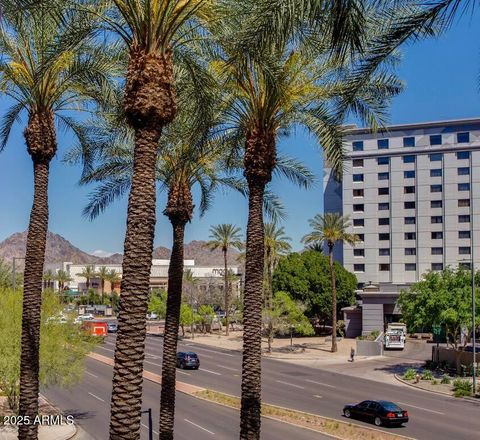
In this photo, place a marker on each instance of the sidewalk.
(61, 432)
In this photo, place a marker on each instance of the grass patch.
(344, 430)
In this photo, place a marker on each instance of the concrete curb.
(442, 393)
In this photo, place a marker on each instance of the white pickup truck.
(395, 335)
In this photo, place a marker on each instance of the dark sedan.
(380, 412)
(188, 359)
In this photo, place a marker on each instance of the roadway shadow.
(365, 424)
(399, 368)
(79, 415)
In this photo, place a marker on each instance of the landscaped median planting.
(325, 425)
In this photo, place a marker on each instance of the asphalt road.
(432, 416)
(89, 403)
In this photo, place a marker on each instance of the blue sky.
(441, 83)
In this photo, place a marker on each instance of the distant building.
(412, 193)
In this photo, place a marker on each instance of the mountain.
(60, 249)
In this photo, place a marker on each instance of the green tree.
(6, 275)
(329, 229)
(112, 277)
(186, 316)
(441, 298)
(205, 316)
(102, 274)
(62, 277)
(306, 278)
(157, 304)
(88, 272)
(63, 346)
(225, 237)
(48, 279)
(285, 315)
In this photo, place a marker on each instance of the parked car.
(188, 359)
(380, 412)
(112, 327)
(152, 316)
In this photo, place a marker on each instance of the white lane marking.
(146, 427)
(198, 426)
(107, 349)
(91, 374)
(227, 368)
(211, 372)
(151, 356)
(290, 384)
(211, 351)
(159, 365)
(96, 397)
(423, 409)
(317, 396)
(320, 383)
(109, 343)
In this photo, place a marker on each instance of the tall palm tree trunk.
(170, 338)
(227, 296)
(334, 299)
(130, 345)
(32, 301)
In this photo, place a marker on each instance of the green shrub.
(410, 374)
(427, 375)
(445, 379)
(434, 382)
(374, 335)
(462, 388)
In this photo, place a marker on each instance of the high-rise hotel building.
(412, 193)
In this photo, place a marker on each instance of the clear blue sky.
(442, 83)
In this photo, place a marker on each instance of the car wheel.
(347, 413)
(182, 365)
(378, 421)
(196, 368)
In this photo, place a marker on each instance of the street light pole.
(474, 353)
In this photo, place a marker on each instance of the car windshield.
(192, 355)
(390, 406)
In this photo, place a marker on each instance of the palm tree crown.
(329, 229)
(224, 237)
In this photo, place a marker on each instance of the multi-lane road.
(316, 391)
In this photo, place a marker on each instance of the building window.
(383, 206)
(383, 176)
(436, 203)
(382, 144)
(410, 174)
(383, 237)
(463, 154)
(463, 234)
(437, 235)
(410, 266)
(437, 266)
(436, 139)
(435, 188)
(408, 189)
(384, 252)
(435, 157)
(358, 222)
(359, 267)
(464, 250)
(409, 205)
(410, 251)
(361, 237)
(359, 252)
(383, 221)
(358, 177)
(465, 266)
(463, 203)
(410, 220)
(464, 186)
(436, 219)
(437, 251)
(463, 171)
(410, 235)
(383, 191)
(463, 137)
(408, 159)
(384, 267)
(463, 219)
(437, 172)
(358, 207)
(358, 192)
(409, 141)
(383, 160)
(357, 163)
(357, 146)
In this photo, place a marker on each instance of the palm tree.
(192, 284)
(276, 245)
(329, 229)
(112, 277)
(62, 277)
(272, 89)
(225, 237)
(48, 277)
(49, 68)
(150, 30)
(102, 274)
(88, 272)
